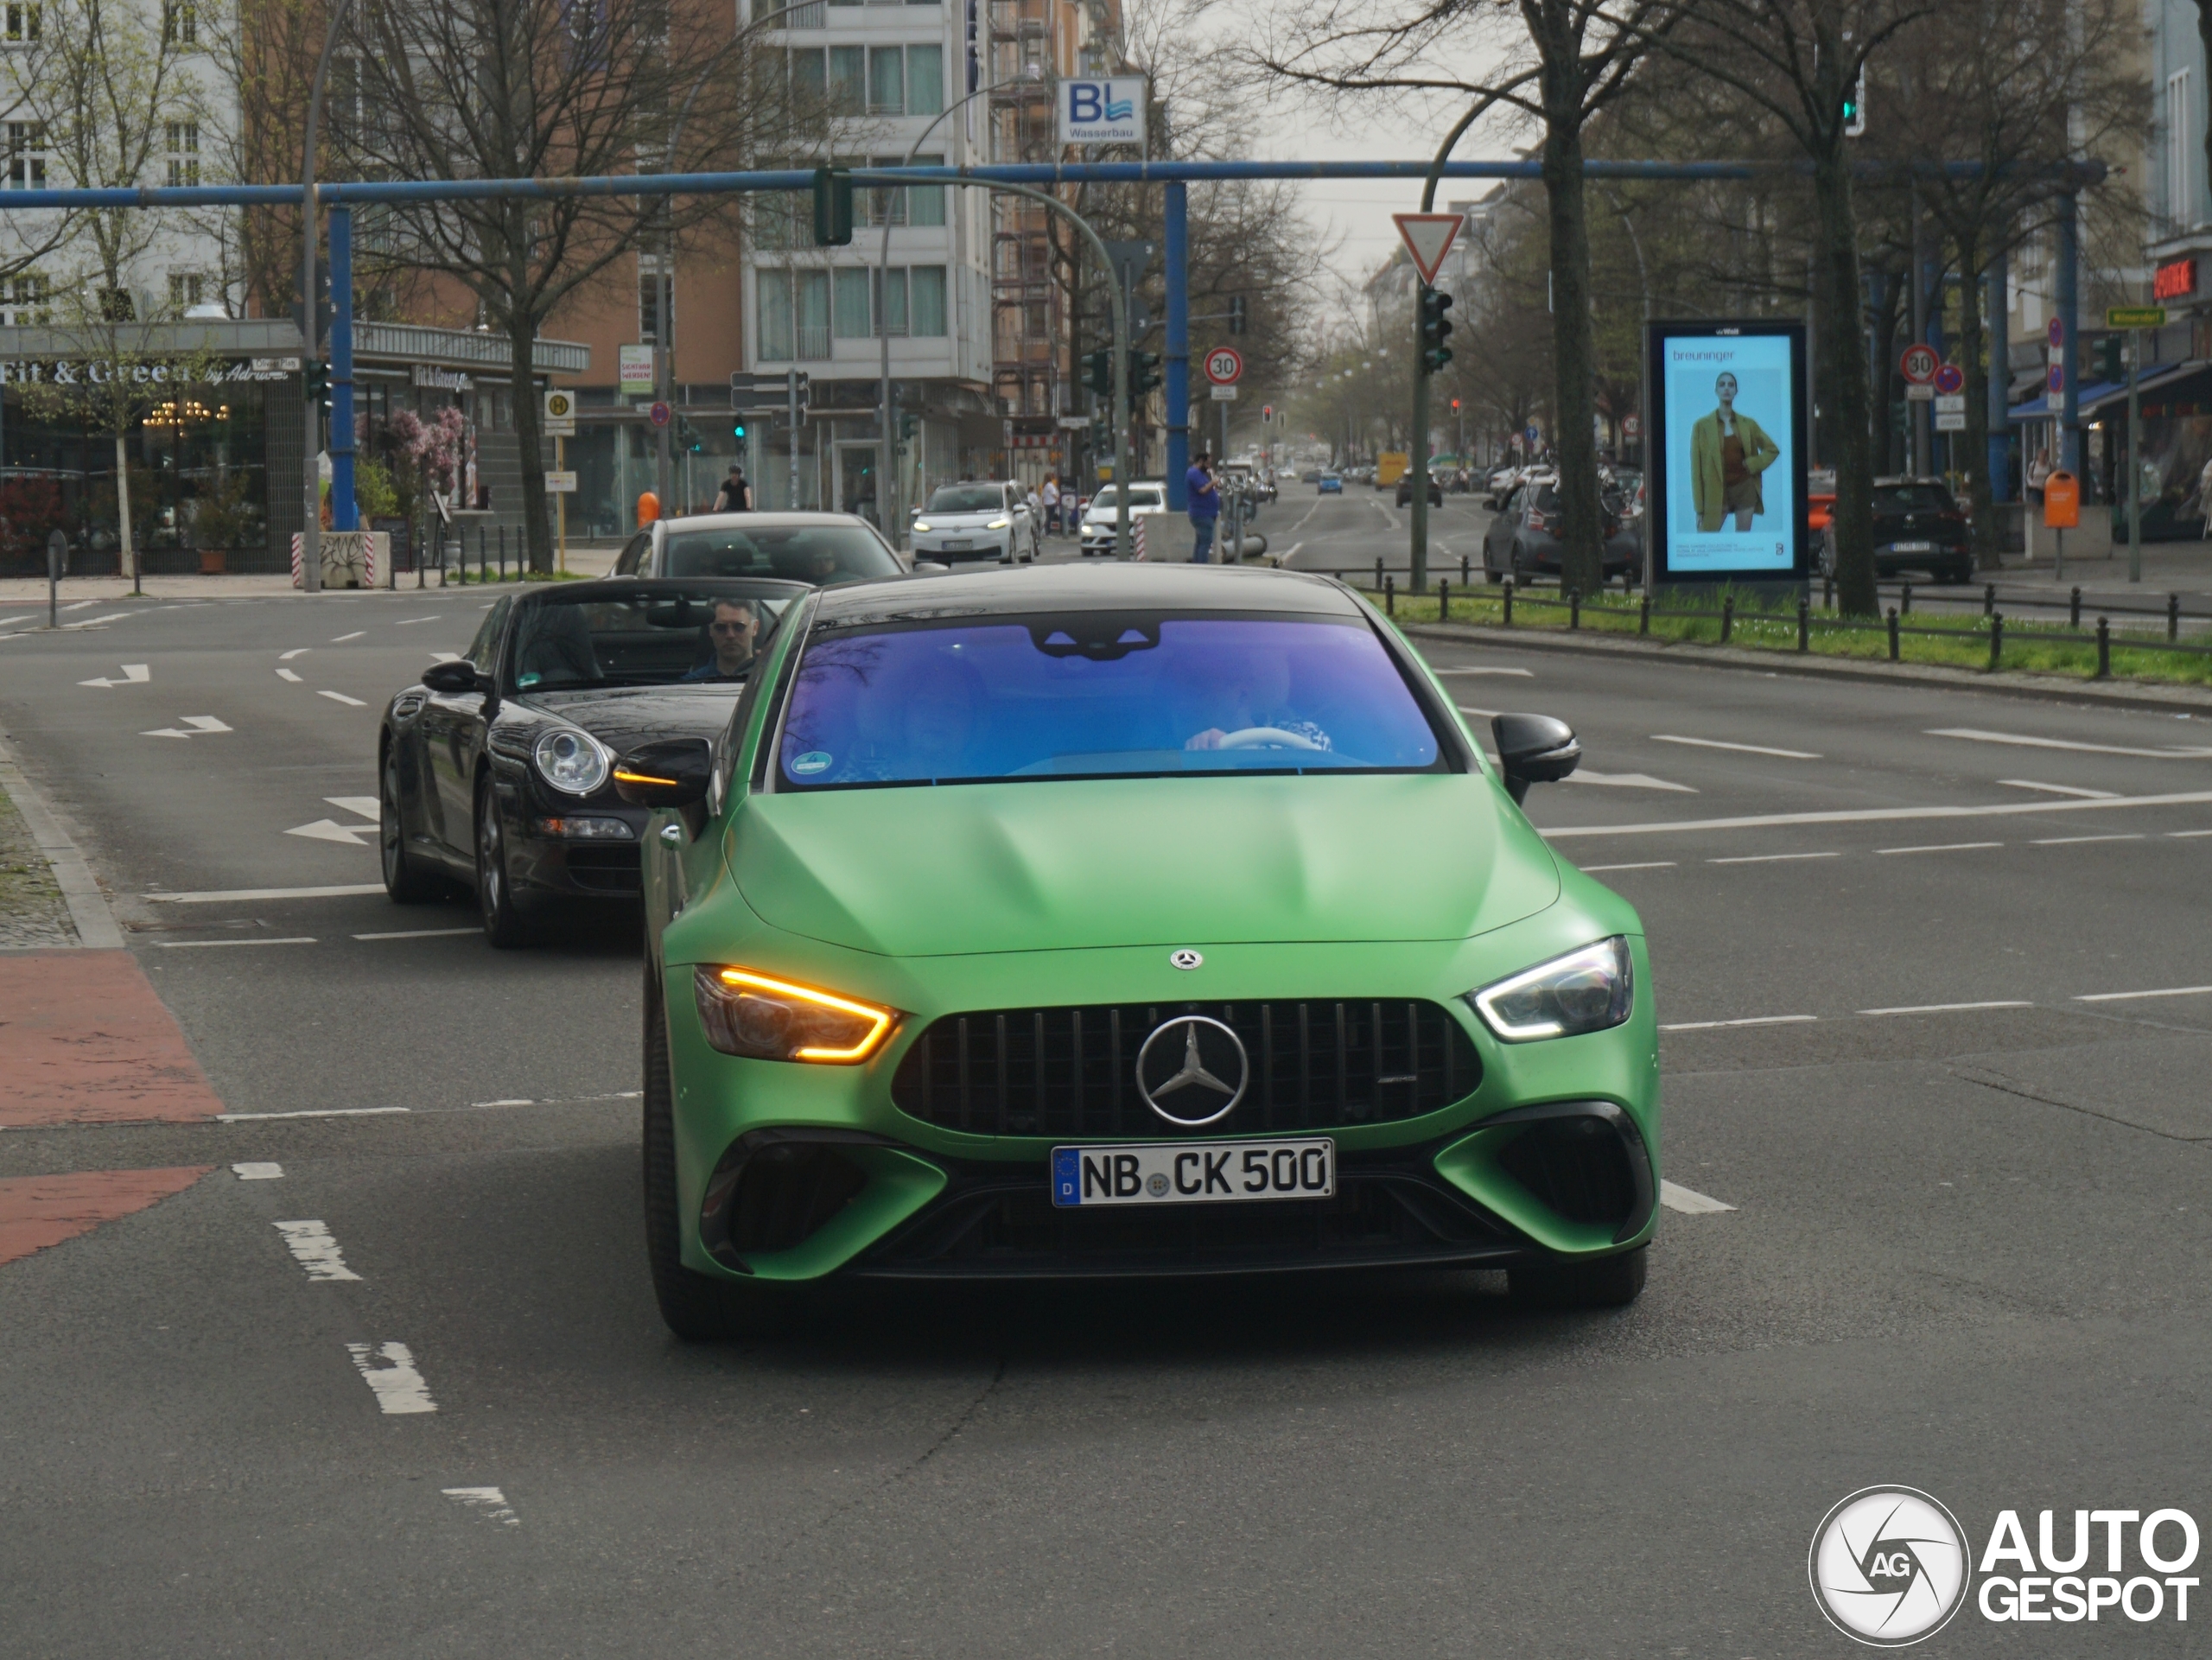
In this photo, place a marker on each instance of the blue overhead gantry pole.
(1176, 384)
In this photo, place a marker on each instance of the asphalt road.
(1906, 942)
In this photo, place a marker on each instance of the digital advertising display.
(1726, 489)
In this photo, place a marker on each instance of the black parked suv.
(1405, 490)
(1918, 526)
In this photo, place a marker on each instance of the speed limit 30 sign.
(1918, 364)
(1224, 366)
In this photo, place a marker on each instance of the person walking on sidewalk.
(1204, 505)
(1052, 506)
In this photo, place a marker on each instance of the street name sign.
(2135, 317)
(1428, 238)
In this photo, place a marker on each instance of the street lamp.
(887, 441)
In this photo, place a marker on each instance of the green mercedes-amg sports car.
(1125, 920)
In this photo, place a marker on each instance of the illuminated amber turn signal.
(763, 1018)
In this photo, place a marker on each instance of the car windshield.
(824, 555)
(1106, 502)
(968, 499)
(564, 643)
(1095, 695)
(1912, 499)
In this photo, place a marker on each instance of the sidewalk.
(585, 559)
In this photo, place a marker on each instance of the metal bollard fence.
(1444, 598)
(2104, 648)
(1378, 572)
(1573, 608)
(1893, 633)
(1996, 638)
(1390, 597)
(2173, 616)
(1989, 600)
(1463, 571)
(1904, 601)
(1509, 602)
(503, 553)
(2073, 609)
(1727, 618)
(1643, 615)
(1804, 622)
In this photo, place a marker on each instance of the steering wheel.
(1265, 737)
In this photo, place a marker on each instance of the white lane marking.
(340, 697)
(487, 1502)
(327, 829)
(134, 674)
(2072, 841)
(297, 651)
(519, 1101)
(1980, 736)
(1743, 748)
(1291, 552)
(81, 604)
(411, 621)
(257, 1171)
(1770, 858)
(317, 1112)
(399, 1388)
(366, 805)
(423, 933)
(1755, 1020)
(1942, 847)
(445, 657)
(203, 723)
(2128, 996)
(1656, 864)
(1688, 1203)
(1885, 815)
(2060, 788)
(339, 639)
(224, 896)
(2183, 836)
(1945, 1009)
(286, 674)
(211, 945)
(1628, 781)
(1525, 674)
(165, 731)
(95, 622)
(313, 1249)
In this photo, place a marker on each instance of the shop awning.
(2172, 382)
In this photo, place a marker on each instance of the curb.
(88, 908)
(2039, 688)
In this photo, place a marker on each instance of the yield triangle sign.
(1428, 238)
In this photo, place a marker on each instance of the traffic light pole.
(1418, 581)
(310, 331)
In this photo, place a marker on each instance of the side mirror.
(1533, 749)
(671, 773)
(451, 679)
(929, 567)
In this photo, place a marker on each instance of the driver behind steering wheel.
(1247, 694)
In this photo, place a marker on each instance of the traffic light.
(2109, 356)
(1144, 372)
(737, 431)
(1455, 406)
(833, 207)
(1236, 313)
(1854, 107)
(1098, 371)
(803, 383)
(318, 381)
(1435, 327)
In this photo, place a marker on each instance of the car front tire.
(1609, 1283)
(504, 925)
(404, 879)
(697, 1309)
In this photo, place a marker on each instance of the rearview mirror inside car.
(1533, 749)
(670, 772)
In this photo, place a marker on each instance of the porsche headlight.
(571, 761)
(922, 524)
(1586, 990)
(764, 1018)
(998, 524)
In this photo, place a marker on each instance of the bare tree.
(1572, 59)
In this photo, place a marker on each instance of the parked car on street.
(1523, 538)
(1148, 501)
(1918, 526)
(1406, 492)
(820, 550)
(925, 1000)
(987, 520)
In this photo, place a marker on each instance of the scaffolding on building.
(1030, 368)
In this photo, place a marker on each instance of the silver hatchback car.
(823, 549)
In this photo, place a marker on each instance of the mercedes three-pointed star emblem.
(1211, 1080)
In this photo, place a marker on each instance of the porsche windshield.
(1090, 695)
(563, 644)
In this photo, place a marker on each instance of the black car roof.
(1020, 591)
(629, 587)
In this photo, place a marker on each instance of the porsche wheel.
(504, 925)
(404, 879)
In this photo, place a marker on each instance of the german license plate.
(958, 547)
(1193, 1172)
(1912, 547)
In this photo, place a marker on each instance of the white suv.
(977, 520)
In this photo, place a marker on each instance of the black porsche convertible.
(495, 770)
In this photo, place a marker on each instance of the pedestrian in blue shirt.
(1204, 505)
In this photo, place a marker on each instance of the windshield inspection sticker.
(815, 761)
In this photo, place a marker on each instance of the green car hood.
(1086, 864)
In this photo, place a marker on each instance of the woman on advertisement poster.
(1728, 451)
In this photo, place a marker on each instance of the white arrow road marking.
(398, 1386)
(339, 639)
(134, 674)
(340, 697)
(365, 805)
(1690, 1204)
(204, 723)
(297, 651)
(1628, 780)
(200, 725)
(324, 830)
(487, 1502)
(314, 1249)
(165, 732)
(286, 674)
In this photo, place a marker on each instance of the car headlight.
(572, 761)
(921, 525)
(1586, 990)
(767, 1019)
(998, 524)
